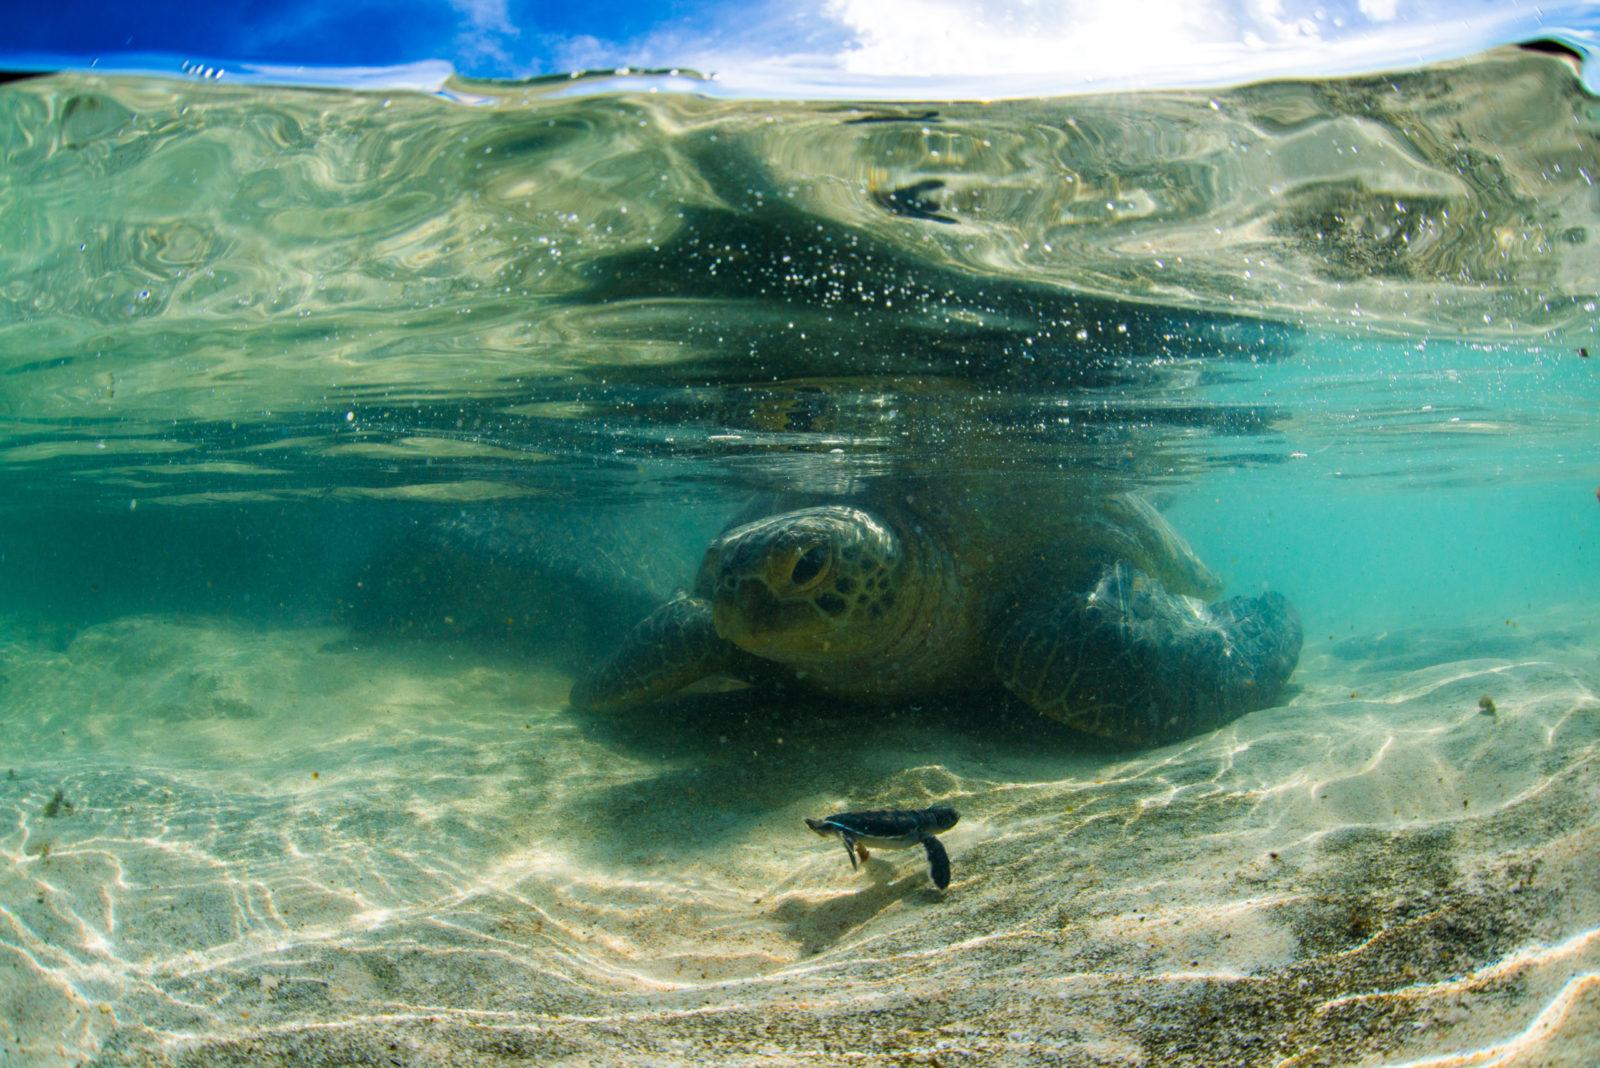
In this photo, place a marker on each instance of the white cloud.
(919, 37)
(924, 49)
(1088, 39)
(485, 31)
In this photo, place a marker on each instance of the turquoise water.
(340, 432)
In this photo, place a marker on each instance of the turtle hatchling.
(893, 828)
(1086, 605)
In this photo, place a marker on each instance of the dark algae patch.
(58, 805)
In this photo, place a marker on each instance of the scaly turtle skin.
(893, 828)
(1088, 608)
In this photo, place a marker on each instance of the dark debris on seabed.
(58, 805)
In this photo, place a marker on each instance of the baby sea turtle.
(893, 828)
(1088, 606)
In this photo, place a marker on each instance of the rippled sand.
(287, 844)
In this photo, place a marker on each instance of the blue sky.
(788, 47)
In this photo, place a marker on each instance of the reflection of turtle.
(1086, 607)
(894, 828)
(559, 579)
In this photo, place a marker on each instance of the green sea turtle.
(893, 828)
(1089, 607)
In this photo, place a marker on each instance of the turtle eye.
(809, 565)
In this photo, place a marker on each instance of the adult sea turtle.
(1087, 605)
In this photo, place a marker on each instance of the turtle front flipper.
(1129, 661)
(672, 647)
(938, 861)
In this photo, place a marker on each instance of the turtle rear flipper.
(672, 647)
(938, 861)
(1128, 660)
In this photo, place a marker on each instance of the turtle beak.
(821, 829)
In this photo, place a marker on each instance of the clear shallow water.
(339, 431)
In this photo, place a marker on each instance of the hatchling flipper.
(938, 861)
(1129, 661)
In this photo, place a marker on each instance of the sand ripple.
(222, 845)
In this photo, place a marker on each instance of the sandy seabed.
(222, 844)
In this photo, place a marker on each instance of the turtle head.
(814, 584)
